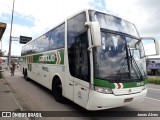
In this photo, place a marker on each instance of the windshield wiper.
(128, 59)
(135, 64)
(141, 76)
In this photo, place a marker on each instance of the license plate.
(128, 100)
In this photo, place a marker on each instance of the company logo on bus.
(55, 58)
(47, 58)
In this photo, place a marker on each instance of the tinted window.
(38, 44)
(53, 39)
(44, 43)
(56, 37)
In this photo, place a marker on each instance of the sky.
(35, 17)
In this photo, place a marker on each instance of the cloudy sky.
(35, 17)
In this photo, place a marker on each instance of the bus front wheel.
(57, 90)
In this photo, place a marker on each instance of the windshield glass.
(110, 22)
(118, 58)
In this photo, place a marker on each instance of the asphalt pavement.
(9, 102)
(153, 92)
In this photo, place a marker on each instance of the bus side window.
(56, 37)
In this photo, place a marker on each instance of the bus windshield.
(110, 22)
(119, 58)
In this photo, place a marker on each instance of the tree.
(1, 53)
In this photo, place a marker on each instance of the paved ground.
(8, 102)
(18, 94)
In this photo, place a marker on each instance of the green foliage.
(1, 54)
(154, 80)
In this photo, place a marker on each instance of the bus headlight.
(103, 90)
(144, 87)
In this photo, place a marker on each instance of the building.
(153, 66)
(2, 29)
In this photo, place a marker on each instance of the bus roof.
(83, 10)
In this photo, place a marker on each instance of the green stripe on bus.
(105, 83)
(62, 56)
(56, 57)
(134, 84)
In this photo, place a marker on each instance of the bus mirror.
(151, 46)
(96, 33)
(157, 47)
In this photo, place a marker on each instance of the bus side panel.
(56, 70)
(69, 85)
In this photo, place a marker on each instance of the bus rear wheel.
(57, 91)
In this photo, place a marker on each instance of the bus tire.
(57, 91)
(26, 75)
(23, 71)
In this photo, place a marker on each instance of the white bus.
(94, 59)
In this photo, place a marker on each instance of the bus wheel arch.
(57, 89)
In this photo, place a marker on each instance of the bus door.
(79, 69)
(78, 58)
(81, 79)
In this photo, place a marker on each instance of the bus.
(94, 59)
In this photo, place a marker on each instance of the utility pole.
(10, 37)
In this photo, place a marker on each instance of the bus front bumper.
(100, 101)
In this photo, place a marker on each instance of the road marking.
(153, 99)
(154, 89)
